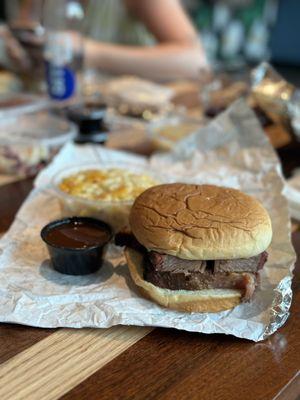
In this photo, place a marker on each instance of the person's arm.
(178, 54)
(12, 56)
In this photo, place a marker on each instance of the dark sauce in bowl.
(77, 235)
(76, 245)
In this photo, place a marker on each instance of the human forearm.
(12, 55)
(164, 61)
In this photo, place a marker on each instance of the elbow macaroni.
(106, 185)
(106, 194)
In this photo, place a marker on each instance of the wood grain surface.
(56, 364)
(11, 198)
(16, 338)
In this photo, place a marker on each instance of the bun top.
(200, 222)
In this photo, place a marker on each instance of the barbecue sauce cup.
(76, 245)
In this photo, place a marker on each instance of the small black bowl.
(72, 260)
(88, 117)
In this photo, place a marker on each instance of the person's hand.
(14, 57)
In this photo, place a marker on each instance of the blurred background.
(235, 33)
(157, 70)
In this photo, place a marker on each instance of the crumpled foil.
(231, 151)
(294, 111)
(271, 91)
(278, 98)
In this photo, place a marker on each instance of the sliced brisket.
(173, 273)
(126, 238)
(164, 262)
(252, 264)
(187, 279)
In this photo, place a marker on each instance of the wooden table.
(144, 363)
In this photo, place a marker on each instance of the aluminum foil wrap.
(231, 151)
(271, 92)
(294, 111)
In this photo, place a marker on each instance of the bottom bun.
(211, 300)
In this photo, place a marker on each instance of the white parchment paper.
(231, 151)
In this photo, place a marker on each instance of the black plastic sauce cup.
(90, 120)
(76, 261)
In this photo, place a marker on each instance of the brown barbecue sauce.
(77, 235)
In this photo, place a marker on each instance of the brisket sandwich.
(196, 247)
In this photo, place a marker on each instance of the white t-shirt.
(110, 21)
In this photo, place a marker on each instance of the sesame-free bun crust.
(213, 300)
(200, 222)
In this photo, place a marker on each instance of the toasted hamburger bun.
(212, 300)
(200, 222)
